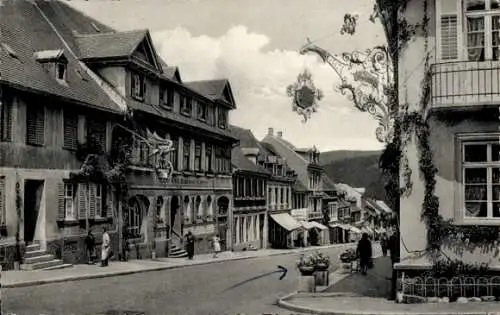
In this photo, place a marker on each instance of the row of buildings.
(72, 88)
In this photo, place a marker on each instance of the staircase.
(37, 259)
(177, 251)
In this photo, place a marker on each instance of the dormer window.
(55, 62)
(138, 89)
(61, 71)
(186, 105)
(202, 111)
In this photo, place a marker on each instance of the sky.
(255, 44)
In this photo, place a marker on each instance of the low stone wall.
(8, 255)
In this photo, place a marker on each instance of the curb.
(283, 302)
(158, 268)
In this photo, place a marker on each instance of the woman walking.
(364, 251)
(216, 245)
(106, 248)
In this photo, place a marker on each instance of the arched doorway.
(175, 217)
(222, 221)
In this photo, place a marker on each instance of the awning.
(355, 230)
(318, 225)
(307, 225)
(286, 221)
(334, 225)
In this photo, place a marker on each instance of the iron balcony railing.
(465, 83)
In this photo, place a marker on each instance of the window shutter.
(6, 119)
(35, 125)
(70, 130)
(449, 36)
(109, 202)
(92, 200)
(61, 210)
(2, 201)
(82, 201)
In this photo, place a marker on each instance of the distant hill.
(355, 168)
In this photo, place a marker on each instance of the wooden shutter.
(82, 201)
(92, 200)
(449, 35)
(5, 119)
(70, 130)
(109, 202)
(35, 125)
(61, 209)
(2, 201)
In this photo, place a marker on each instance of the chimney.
(280, 134)
(270, 131)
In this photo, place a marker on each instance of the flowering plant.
(321, 259)
(348, 256)
(306, 261)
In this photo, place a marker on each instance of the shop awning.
(307, 225)
(318, 225)
(355, 230)
(286, 221)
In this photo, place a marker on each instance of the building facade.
(250, 222)
(88, 88)
(308, 194)
(462, 122)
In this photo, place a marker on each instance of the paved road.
(190, 290)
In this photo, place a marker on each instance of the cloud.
(259, 79)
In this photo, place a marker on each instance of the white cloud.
(259, 79)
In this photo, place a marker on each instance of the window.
(186, 154)
(69, 201)
(96, 134)
(5, 119)
(138, 86)
(186, 105)
(197, 156)
(167, 98)
(222, 118)
(61, 71)
(70, 121)
(481, 179)
(208, 157)
(202, 111)
(210, 114)
(198, 208)
(134, 222)
(35, 125)
(218, 159)
(226, 160)
(482, 19)
(98, 201)
(173, 154)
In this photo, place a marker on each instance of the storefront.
(284, 230)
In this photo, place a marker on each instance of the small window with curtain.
(197, 156)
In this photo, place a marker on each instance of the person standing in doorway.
(216, 245)
(384, 243)
(105, 248)
(90, 245)
(190, 244)
(364, 252)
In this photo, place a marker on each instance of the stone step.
(34, 253)
(38, 259)
(41, 265)
(32, 247)
(58, 267)
(178, 255)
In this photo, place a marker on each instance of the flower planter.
(306, 270)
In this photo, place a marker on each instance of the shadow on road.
(376, 283)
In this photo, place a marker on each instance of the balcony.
(465, 84)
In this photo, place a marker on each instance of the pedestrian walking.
(216, 245)
(90, 246)
(106, 251)
(364, 252)
(384, 243)
(190, 244)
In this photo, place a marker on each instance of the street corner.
(300, 302)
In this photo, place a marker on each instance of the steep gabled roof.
(247, 140)
(213, 89)
(106, 45)
(246, 137)
(293, 159)
(27, 27)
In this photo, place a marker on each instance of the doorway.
(32, 197)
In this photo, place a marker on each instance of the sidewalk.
(13, 279)
(355, 294)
